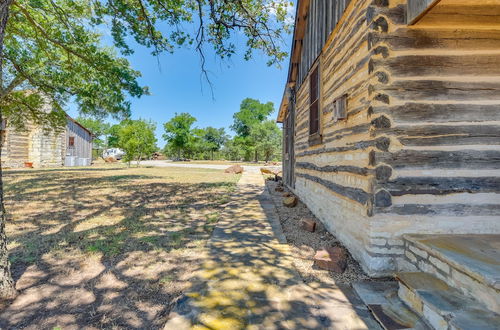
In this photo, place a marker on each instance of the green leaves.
(137, 139)
(178, 133)
(51, 49)
(254, 133)
(54, 48)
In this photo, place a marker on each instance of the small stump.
(331, 258)
(307, 224)
(287, 194)
(279, 189)
(290, 201)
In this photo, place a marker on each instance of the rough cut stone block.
(440, 265)
(418, 252)
(411, 256)
(331, 258)
(235, 169)
(307, 224)
(290, 201)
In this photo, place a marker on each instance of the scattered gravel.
(304, 244)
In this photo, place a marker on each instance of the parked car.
(116, 153)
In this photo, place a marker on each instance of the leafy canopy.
(178, 133)
(255, 134)
(137, 139)
(53, 48)
(251, 113)
(52, 54)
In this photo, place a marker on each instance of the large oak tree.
(51, 52)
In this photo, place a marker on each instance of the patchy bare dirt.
(304, 244)
(108, 247)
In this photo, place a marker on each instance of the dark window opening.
(314, 93)
(71, 141)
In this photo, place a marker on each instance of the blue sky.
(177, 86)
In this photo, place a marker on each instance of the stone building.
(391, 118)
(37, 147)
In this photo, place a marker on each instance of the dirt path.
(249, 280)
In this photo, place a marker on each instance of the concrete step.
(442, 306)
(469, 263)
(389, 310)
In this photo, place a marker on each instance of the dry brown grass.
(106, 247)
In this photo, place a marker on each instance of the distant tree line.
(257, 137)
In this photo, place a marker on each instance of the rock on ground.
(234, 169)
(305, 244)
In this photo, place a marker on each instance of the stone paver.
(249, 281)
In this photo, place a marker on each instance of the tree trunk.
(256, 159)
(179, 154)
(7, 286)
(212, 154)
(139, 159)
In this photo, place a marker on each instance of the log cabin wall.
(15, 148)
(419, 151)
(334, 177)
(34, 145)
(46, 148)
(435, 91)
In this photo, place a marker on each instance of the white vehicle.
(116, 153)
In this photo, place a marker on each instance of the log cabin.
(391, 119)
(36, 147)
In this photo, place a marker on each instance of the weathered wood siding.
(420, 149)
(322, 18)
(82, 141)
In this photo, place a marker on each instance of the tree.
(251, 114)
(232, 150)
(49, 55)
(98, 128)
(268, 138)
(50, 48)
(112, 136)
(137, 139)
(214, 139)
(178, 132)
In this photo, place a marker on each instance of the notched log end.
(383, 198)
(380, 24)
(381, 122)
(383, 173)
(382, 98)
(383, 143)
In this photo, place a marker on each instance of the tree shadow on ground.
(94, 249)
(249, 279)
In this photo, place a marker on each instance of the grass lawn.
(106, 247)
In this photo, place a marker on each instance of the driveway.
(169, 163)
